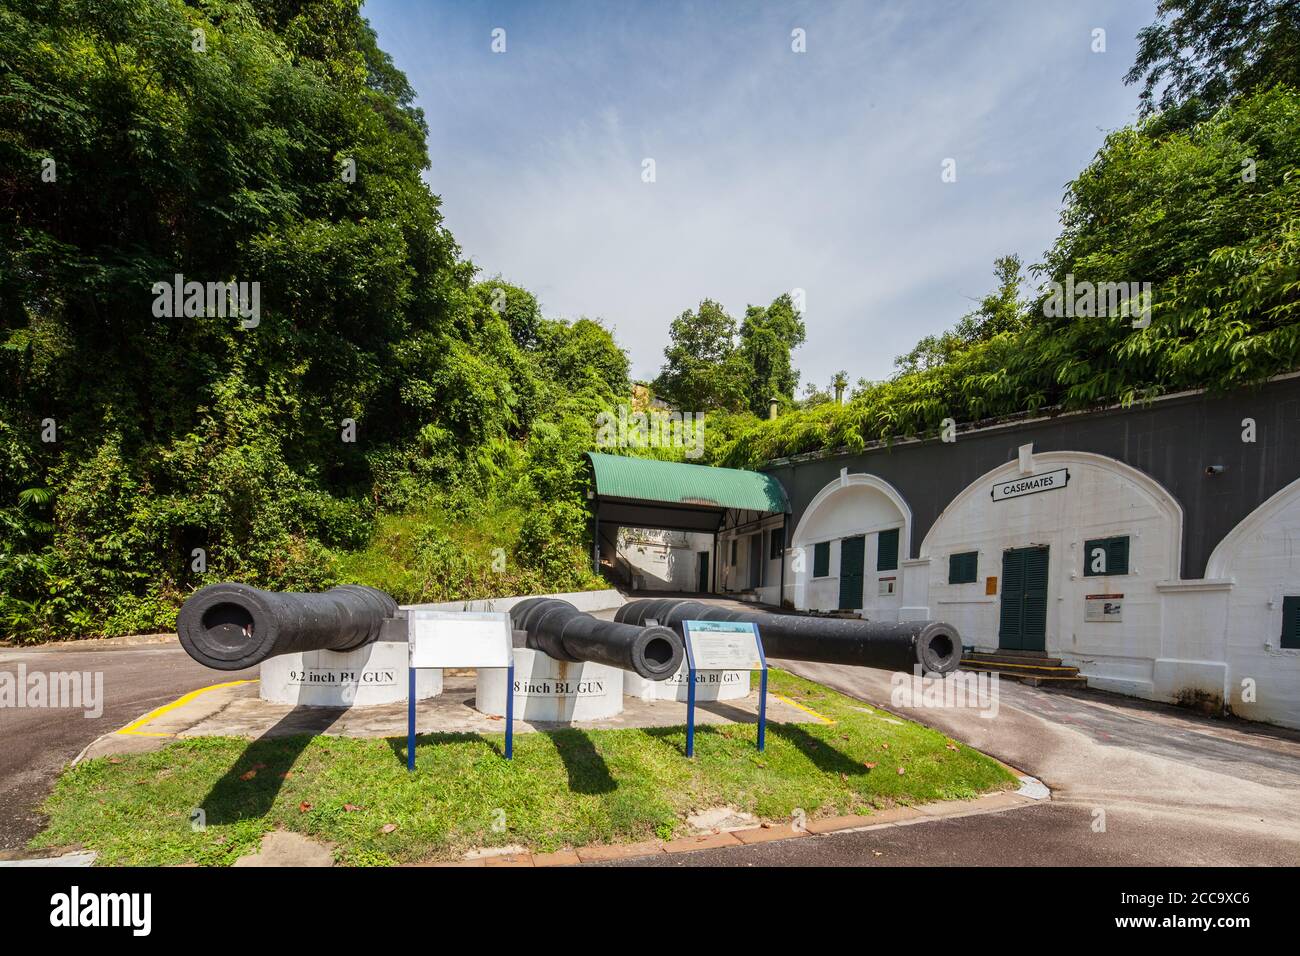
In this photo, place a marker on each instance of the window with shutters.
(1291, 622)
(822, 559)
(1105, 556)
(963, 568)
(887, 551)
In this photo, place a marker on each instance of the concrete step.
(1039, 673)
(1076, 681)
(1013, 657)
(1042, 670)
(1042, 680)
(1035, 671)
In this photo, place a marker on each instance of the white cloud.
(774, 169)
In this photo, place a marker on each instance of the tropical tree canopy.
(147, 449)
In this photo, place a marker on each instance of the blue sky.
(774, 170)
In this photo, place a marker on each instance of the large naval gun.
(933, 645)
(233, 626)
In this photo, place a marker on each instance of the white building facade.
(1073, 552)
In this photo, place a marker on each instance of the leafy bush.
(381, 380)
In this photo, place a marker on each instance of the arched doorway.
(848, 549)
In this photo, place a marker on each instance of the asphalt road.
(1133, 783)
(36, 743)
(1047, 834)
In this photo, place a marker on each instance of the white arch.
(845, 481)
(1159, 496)
(1249, 526)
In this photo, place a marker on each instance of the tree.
(1000, 311)
(271, 144)
(767, 337)
(516, 305)
(582, 357)
(702, 371)
(840, 382)
(814, 394)
(1200, 54)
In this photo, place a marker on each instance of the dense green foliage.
(711, 364)
(702, 367)
(1200, 54)
(144, 138)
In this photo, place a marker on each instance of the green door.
(1023, 624)
(852, 560)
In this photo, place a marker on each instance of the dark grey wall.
(1173, 440)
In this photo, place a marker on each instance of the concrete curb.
(80, 859)
(178, 715)
(999, 802)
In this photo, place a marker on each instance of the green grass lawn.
(563, 788)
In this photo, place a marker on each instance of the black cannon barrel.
(233, 626)
(934, 645)
(559, 629)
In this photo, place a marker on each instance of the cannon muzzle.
(233, 626)
(934, 645)
(559, 629)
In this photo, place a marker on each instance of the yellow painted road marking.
(131, 728)
(807, 710)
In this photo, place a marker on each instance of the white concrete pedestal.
(373, 674)
(709, 685)
(551, 690)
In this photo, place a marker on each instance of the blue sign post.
(510, 715)
(690, 693)
(480, 639)
(510, 709)
(723, 645)
(410, 718)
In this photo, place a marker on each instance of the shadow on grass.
(587, 770)
(238, 796)
(823, 755)
(819, 753)
(398, 744)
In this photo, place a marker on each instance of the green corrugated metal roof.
(672, 482)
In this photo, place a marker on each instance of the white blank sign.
(459, 638)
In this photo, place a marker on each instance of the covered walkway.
(699, 502)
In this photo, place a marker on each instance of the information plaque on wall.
(1104, 608)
